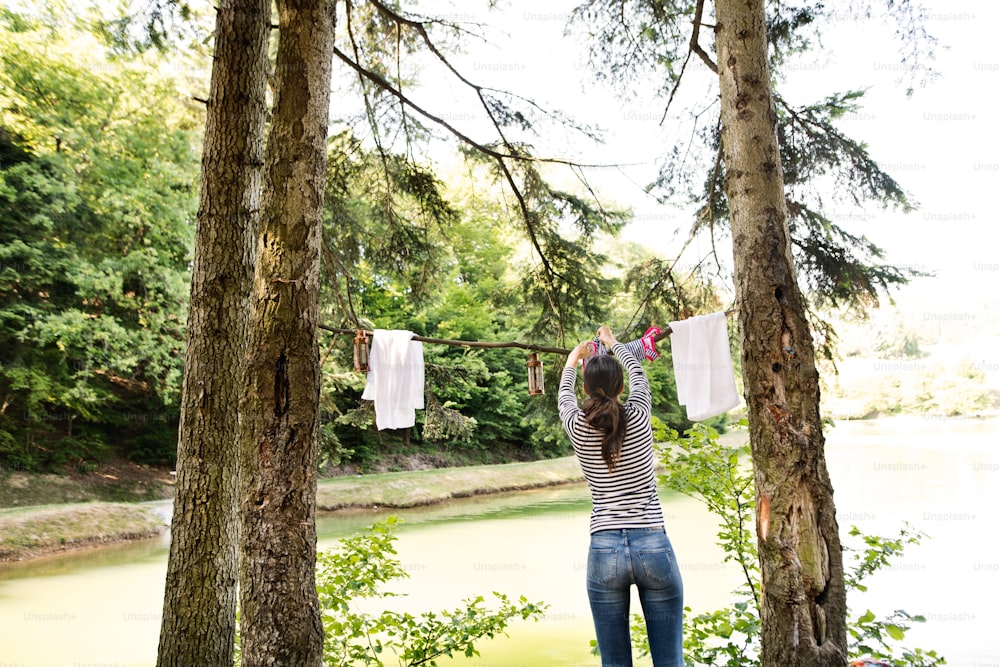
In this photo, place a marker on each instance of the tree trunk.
(199, 606)
(803, 605)
(280, 618)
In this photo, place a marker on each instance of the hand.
(608, 338)
(582, 351)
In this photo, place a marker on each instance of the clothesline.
(494, 344)
(395, 366)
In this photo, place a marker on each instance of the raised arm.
(639, 395)
(568, 406)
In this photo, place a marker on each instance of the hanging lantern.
(361, 351)
(536, 376)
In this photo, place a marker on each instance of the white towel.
(703, 367)
(395, 378)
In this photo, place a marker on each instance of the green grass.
(26, 532)
(424, 487)
(111, 483)
(23, 488)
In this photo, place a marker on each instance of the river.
(102, 608)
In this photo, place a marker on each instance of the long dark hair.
(604, 381)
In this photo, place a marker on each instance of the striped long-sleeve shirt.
(625, 497)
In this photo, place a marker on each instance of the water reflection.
(111, 556)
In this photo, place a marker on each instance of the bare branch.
(483, 148)
(707, 59)
(693, 47)
(370, 113)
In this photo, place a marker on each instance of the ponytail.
(602, 410)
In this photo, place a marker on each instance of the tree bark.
(803, 605)
(280, 617)
(199, 606)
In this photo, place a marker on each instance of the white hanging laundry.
(703, 367)
(395, 378)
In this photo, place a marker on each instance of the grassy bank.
(31, 531)
(111, 481)
(28, 532)
(424, 487)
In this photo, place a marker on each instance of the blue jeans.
(644, 557)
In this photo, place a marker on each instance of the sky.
(940, 143)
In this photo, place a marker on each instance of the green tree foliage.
(719, 477)
(136, 28)
(359, 569)
(98, 173)
(403, 250)
(897, 341)
(383, 45)
(97, 166)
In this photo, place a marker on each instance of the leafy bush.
(359, 569)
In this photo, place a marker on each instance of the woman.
(628, 545)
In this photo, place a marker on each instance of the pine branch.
(499, 157)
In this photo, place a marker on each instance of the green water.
(103, 607)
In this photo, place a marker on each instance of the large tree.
(803, 603)
(280, 617)
(669, 47)
(199, 608)
(769, 169)
(383, 42)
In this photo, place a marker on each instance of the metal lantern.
(536, 376)
(361, 351)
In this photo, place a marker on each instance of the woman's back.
(623, 497)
